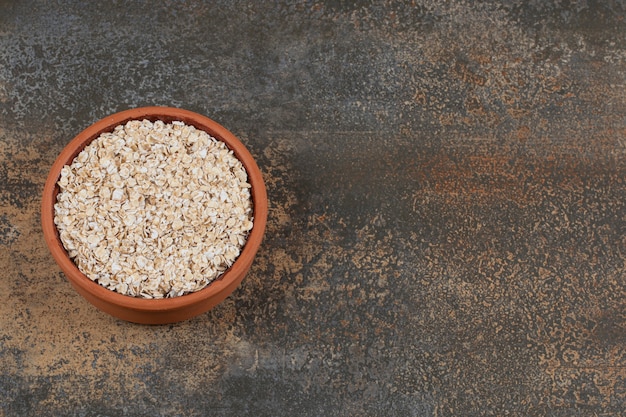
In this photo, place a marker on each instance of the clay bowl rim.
(166, 114)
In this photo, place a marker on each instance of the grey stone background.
(447, 207)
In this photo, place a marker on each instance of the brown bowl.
(167, 310)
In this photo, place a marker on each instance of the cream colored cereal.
(154, 210)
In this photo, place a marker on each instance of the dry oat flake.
(154, 209)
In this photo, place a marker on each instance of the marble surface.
(447, 228)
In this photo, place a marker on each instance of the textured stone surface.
(447, 230)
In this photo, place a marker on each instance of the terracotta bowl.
(168, 310)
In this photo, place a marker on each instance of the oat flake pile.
(154, 210)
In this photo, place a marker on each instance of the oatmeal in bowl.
(154, 214)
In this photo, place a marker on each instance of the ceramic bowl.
(167, 310)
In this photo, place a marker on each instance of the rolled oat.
(154, 209)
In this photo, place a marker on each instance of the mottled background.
(447, 229)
